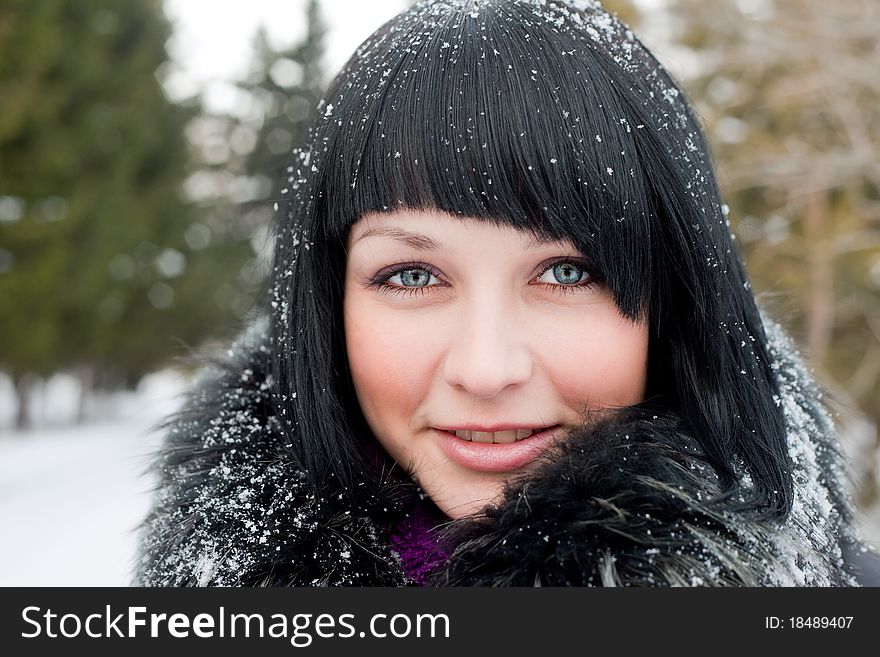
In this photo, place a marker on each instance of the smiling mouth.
(499, 437)
(485, 451)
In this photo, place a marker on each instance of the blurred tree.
(100, 260)
(789, 91)
(288, 84)
(244, 152)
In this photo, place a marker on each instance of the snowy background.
(71, 495)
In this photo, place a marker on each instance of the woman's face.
(455, 324)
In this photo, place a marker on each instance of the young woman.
(511, 342)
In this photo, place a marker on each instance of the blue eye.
(414, 277)
(565, 272)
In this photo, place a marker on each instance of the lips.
(496, 456)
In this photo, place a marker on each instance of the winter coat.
(627, 505)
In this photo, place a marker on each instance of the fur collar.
(232, 508)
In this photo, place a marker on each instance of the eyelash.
(380, 281)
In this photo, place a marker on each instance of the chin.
(462, 504)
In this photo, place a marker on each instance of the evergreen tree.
(288, 84)
(97, 268)
(284, 87)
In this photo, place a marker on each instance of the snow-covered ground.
(71, 496)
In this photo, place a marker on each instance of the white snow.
(71, 495)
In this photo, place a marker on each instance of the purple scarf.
(414, 539)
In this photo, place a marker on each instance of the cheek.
(388, 362)
(603, 362)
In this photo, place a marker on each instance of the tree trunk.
(23, 388)
(86, 376)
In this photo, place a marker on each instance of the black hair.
(552, 117)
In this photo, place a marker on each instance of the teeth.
(495, 437)
(482, 436)
(504, 436)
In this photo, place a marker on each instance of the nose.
(488, 349)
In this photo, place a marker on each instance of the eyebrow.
(424, 243)
(415, 240)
